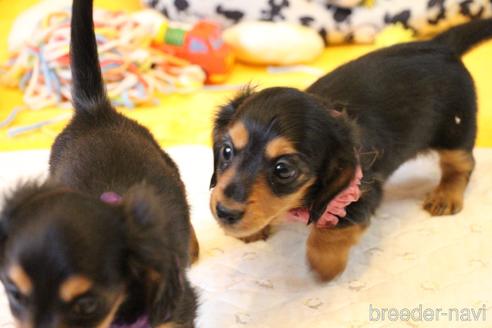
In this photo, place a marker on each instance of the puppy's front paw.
(328, 249)
(441, 202)
(260, 235)
(327, 266)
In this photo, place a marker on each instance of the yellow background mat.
(187, 118)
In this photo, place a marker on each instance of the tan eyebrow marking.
(239, 135)
(279, 146)
(73, 287)
(20, 278)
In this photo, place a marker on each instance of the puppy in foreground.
(107, 240)
(322, 155)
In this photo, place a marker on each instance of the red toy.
(201, 45)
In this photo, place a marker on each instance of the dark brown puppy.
(73, 252)
(281, 149)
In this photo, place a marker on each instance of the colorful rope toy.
(132, 69)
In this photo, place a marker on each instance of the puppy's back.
(101, 149)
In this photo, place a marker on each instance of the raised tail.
(463, 37)
(88, 91)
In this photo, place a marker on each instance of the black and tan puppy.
(281, 151)
(108, 239)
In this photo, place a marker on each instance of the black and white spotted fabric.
(335, 23)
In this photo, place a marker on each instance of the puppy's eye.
(284, 171)
(227, 152)
(85, 306)
(15, 295)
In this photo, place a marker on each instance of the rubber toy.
(200, 44)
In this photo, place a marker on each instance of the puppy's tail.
(463, 37)
(88, 91)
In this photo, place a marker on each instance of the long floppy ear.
(222, 120)
(335, 177)
(3, 239)
(338, 167)
(19, 198)
(3, 231)
(157, 248)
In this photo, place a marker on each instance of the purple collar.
(142, 322)
(110, 197)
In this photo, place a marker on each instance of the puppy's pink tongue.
(336, 207)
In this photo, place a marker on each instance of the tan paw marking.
(440, 202)
(447, 198)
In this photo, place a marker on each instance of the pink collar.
(110, 197)
(336, 207)
(142, 322)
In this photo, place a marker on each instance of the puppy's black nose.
(227, 215)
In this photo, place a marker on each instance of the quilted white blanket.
(410, 270)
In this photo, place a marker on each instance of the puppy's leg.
(328, 249)
(194, 248)
(263, 234)
(447, 198)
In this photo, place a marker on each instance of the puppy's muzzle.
(226, 215)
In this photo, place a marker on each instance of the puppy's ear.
(334, 178)
(226, 112)
(338, 167)
(155, 255)
(17, 199)
(3, 230)
(3, 239)
(223, 118)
